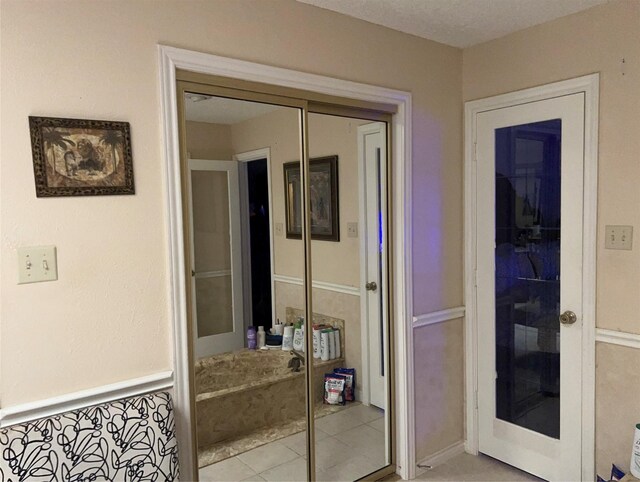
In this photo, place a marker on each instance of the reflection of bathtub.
(240, 392)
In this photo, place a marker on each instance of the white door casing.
(170, 59)
(579, 394)
(243, 158)
(372, 154)
(233, 340)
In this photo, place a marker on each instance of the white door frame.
(589, 85)
(244, 157)
(170, 59)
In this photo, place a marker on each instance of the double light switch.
(37, 263)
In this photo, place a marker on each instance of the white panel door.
(372, 139)
(216, 257)
(529, 249)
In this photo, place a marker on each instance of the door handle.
(568, 318)
(371, 286)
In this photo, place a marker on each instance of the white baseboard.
(28, 412)
(621, 338)
(440, 457)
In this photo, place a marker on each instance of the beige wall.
(592, 41)
(333, 262)
(108, 316)
(208, 141)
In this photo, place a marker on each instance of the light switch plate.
(279, 229)
(352, 230)
(36, 264)
(618, 237)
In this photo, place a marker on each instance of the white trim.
(622, 338)
(248, 156)
(439, 458)
(31, 411)
(170, 59)
(588, 84)
(213, 274)
(438, 317)
(320, 285)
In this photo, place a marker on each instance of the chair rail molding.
(436, 317)
(621, 338)
(320, 285)
(31, 411)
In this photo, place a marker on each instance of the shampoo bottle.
(287, 338)
(262, 337)
(251, 338)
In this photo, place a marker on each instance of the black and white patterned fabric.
(128, 440)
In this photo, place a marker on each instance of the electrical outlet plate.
(618, 237)
(279, 229)
(36, 264)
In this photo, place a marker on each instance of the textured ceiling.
(460, 23)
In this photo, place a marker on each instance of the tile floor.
(349, 444)
(468, 468)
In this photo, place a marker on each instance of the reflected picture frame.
(324, 197)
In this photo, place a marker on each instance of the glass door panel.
(527, 263)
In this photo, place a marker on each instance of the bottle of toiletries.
(635, 453)
(324, 345)
(298, 338)
(338, 352)
(316, 341)
(279, 328)
(287, 338)
(262, 337)
(332, 344)
(251, 338)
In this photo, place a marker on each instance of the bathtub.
(240, 392)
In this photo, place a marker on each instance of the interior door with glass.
(529, 277)
(216, 264)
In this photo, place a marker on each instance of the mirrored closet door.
(285, 221)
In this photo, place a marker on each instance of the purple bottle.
(252, 344)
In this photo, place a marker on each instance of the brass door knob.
(568, 318)
(371, 286)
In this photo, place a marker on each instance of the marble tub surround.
(257, 391)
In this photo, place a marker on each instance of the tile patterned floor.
(468, 468)
(349, 445)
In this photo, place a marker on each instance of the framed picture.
(74, 157)
(323, 183)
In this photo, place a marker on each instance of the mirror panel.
(247, 275)
(348, 199)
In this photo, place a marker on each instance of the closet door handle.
(371, 286)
